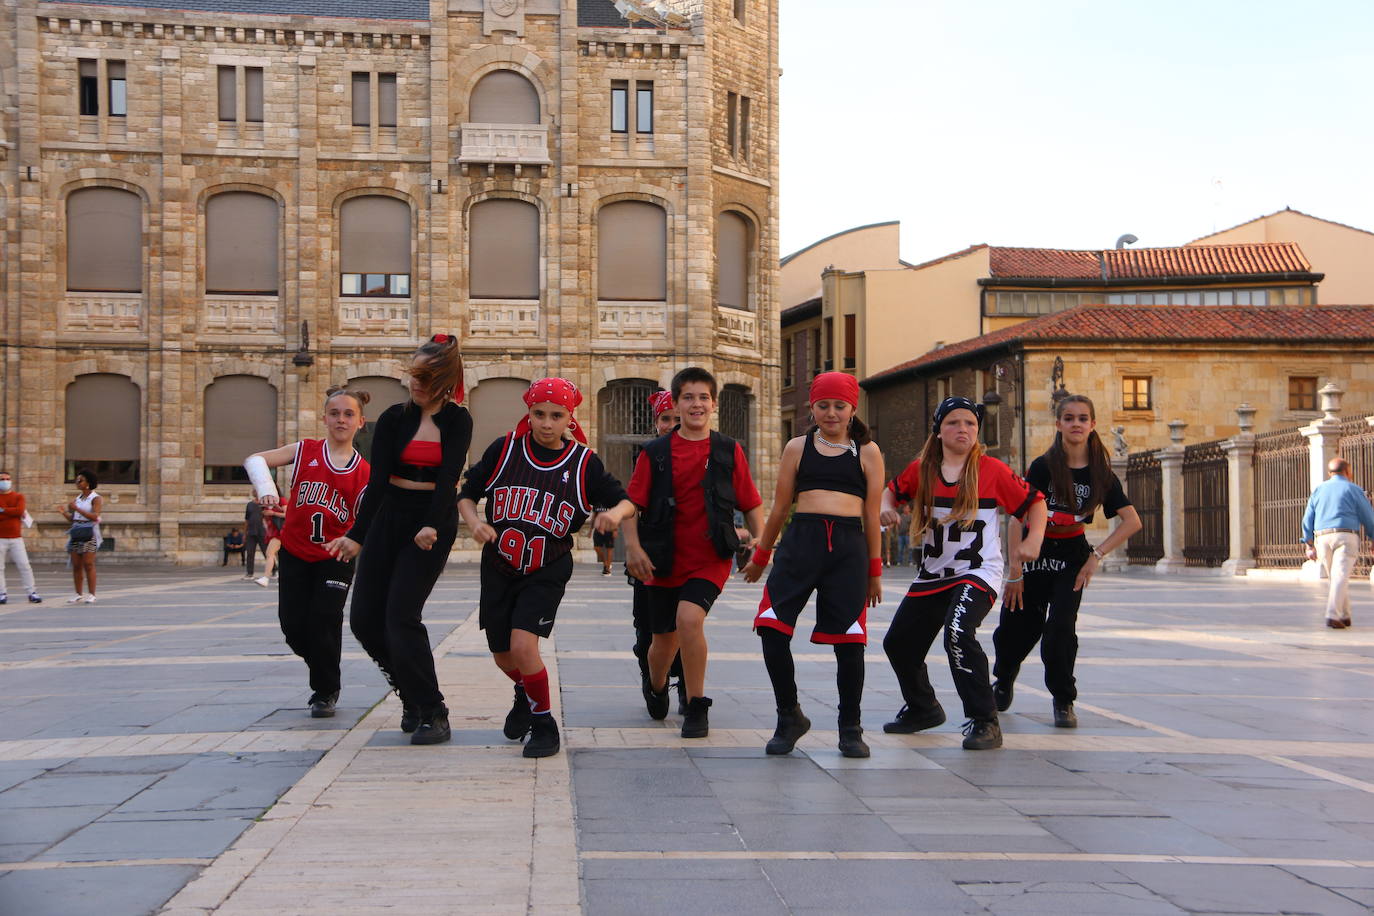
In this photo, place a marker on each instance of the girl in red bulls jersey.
(539, 489)
(835, 475)
(956, 492)
(1076, 474)
(328, 478)
(404, 529)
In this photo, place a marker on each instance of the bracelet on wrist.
(875, 567)
(761, 556)
(1099, 554)
(1011, 581)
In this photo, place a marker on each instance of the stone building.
(215, 209)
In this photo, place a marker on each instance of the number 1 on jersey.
(317, 528)
(524, 556)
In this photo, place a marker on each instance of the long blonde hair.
(965, 510)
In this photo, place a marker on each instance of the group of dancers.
(539, 483)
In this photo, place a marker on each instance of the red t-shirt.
(694, 556)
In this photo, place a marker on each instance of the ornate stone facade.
(289, 131)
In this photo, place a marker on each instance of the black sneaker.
(410, 717)
(1064, 716)
(35, 598)
(656, 701)
(1001, 694)
(982, 734)
(696, 724)
(433, 727)
(792, 724)
(518, 719)
(543, 736)
(322, 706)
(909, 721)
(852, 742)
(682, 696)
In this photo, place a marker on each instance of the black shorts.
(663, 602)
(828, 555)
(516, 602)
(603, 540)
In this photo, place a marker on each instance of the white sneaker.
(89, 599)
(76, 599)
(262, 580)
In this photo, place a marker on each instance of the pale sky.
(1067, 123)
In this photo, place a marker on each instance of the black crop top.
(843, 473)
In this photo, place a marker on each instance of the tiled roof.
(949, 257)
(602, 14)
(1197, 261)
(343, 9)
(1167, 323)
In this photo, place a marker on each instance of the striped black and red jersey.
(537, 498)
(323, 500)
(950, 552)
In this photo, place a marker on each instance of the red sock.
(537, 691)
(513, 674)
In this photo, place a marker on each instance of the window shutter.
(241, 243)
(375, 236)
(104, 241)
(240, 418)
(503, 252)
(102, 418)
(632, 252)
(732, 260)
(504, 97)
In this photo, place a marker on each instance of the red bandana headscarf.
(558, 391)
(661, 401)
(837, 386)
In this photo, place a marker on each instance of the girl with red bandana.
(539, 488)
(834, 475)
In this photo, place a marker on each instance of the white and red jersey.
(322, 501)
(952, 553)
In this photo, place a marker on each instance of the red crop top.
(422, 454)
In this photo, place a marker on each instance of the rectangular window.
(815, 353)
(89, 92)
(942, 387)
(744, 105)
(1135, 392)
(386, 99)
(378, 286)
(1302, 392)
(731, 121)
(644, 108)
(849, 344)
(119, 98)
(787, 358)
(620, 106)
(228, 93)
(829, 344)
(362, 100)
(252, 95)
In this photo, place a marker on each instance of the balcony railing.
(102, 312)
(518, 145)
(358, 316)
(737, 327)
(235, 314)
(513, 319)
(636, 320)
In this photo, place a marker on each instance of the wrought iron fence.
(1282, 486)
(1145, 486)
(1356, 445)
(1206, 509)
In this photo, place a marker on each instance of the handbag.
(80, 534)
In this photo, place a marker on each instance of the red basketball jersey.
(323, 500)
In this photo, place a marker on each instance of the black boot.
(322, 705)
(433, 727)
(410, 717)
(518, 719)
(656, 701)
(982, 734)
(681, 696)
(696, 724)
(852, 742)
(1001, 694)
(910, 721)
(792, 724)
(1064, 716)
(543, 736)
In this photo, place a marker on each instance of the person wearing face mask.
(13, 519)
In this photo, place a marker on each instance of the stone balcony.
(737, 328)
(241, 314)
(632, 320)
(517, 145)
(499, 320)
(122, 312)
(365, 316)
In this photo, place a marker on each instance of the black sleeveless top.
(843, 473)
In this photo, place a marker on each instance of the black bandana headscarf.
(951, 404)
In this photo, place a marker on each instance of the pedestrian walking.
(956, 492)
(688, 485)
(273, 519)
(1336, 512)
(540, 482)
(255, 537)
(603, 543)
(13, 516)
(834, 475)
(1040, 602)
(404, 528)
(83, 537)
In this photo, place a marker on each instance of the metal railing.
(1145, 485)
(1282, 473)
(1356, 445)
(1206, 509)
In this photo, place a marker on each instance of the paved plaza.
(156, 756)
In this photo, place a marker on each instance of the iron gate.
(1145, 486)
(1282, 469)
(1206, 510)
(1357, 446)
(734, 415)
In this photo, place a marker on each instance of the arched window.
(104, 241)
(503, 250)
(632, 252)
(103, 414)
(503, 97)
(385, 392)
(734, 414)
(241, 244)
(374, 244)
(733, 245)
(240, 419)
(496, 407)
(626, 423)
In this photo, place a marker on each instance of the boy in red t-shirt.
(695, 537)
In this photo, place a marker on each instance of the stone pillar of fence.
(1240, 493)
(1171, 468)
(1117, 560)
(1323, 438)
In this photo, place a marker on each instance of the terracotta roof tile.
(1195, 261)
(1163, 323)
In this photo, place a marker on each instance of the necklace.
(850, 447)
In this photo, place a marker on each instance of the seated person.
(233, 543)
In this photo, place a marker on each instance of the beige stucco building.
(215, 209)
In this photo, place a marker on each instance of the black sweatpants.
(252, 545)
(959, 609)
(1049, 615)
(394, 580)
(310, 603)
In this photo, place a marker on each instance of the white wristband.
(260, 476)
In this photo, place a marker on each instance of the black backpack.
(656, 523)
